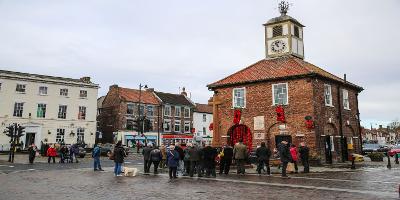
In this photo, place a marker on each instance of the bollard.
(389, 165)
(353, 165)
(397, 158)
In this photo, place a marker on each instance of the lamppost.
(141, 129)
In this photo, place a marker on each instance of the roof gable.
(174, 99)
(132, 95)
(276, 68)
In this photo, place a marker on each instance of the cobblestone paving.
(78, 181)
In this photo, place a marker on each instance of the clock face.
(278, 46)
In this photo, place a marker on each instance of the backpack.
(111, 156)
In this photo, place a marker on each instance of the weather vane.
(283, 7)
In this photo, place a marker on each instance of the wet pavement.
(78, 180)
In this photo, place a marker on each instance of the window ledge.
(328, 105)
(20, 92)
(347, 109)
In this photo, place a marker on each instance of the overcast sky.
(176, 43)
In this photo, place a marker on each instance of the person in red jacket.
(51, 153)
(293, 152)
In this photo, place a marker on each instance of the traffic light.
(10, 131)
(21, 131)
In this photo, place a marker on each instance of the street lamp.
(139, 118)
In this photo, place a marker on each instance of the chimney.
(115, 86)
(85, 79)
(184, 92)
(150, 89)
(344, 77)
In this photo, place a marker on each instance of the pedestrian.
(74, 152)
(226, 160)
(96, 158)
(119, 155)
(138, 146)
(146, 157)
(186, 159)
(155, 158)
(209, 160)
(263, 154)
(163, 150)
(51, 153)
(32, 150)
(179, 149)
(240, 154)
(284, 154)
(172, 161)
(194, 158)
(304, 154)
(293, 153)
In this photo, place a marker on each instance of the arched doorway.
(240, 131)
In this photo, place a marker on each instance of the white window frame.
(65, 91)
(177, 123)
(204, 131)
(170, 125)
(80, 134)
(83, 92)
(273, 94)
(204, 117)
(21, 105)
(44, 113)
(19, 92)
(345, 98)
(330, 95)
(59, 109)
(45, 89)
(60, 135)
(234, 99)
(186, 110)
(180, 111)
(187, 124)
(169, 111)
(82, 116)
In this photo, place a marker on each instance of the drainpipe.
(341, 122)
(359, 125)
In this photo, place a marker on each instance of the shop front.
(173, 139)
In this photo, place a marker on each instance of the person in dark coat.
(263, 154)
(179, 149)
(226, 160)
(209, 160)
(172, 161)
(304, 156)
(146, 157)
(285, 156)
(186, 159)
(194, 158)
(74, 153)
(96, 158)
(32, 153)
(119, 156)
(155, 158)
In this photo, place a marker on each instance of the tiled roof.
(204, 108)
(39, 77)
(277, 68)
(174, 99)
(132, 95)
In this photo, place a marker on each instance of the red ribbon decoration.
(280, 112)
(236, 116)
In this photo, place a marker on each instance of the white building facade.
(202, 123)
(52, 109)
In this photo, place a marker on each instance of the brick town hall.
(283, 97)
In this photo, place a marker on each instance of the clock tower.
(284, 35)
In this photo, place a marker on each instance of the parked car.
(369, 148)
(82, 152)
(395, 150)
(105, 149)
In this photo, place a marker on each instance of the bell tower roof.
(283, 18)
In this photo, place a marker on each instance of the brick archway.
(240, 131)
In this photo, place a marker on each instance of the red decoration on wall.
(240, 131)
(193, 130)
(280, 112)
(309, 122)
(236, 116)
(211, 127)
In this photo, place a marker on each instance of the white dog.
(129, 171)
